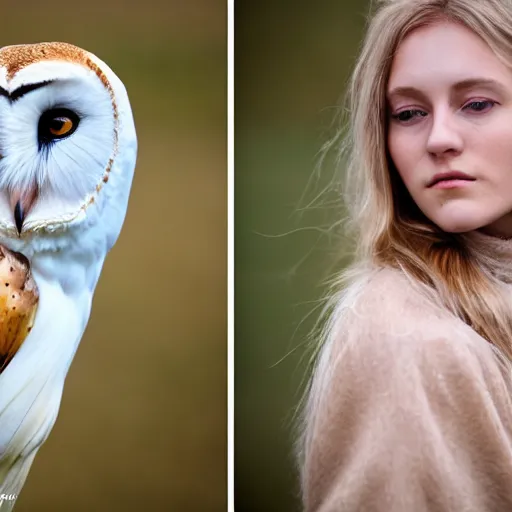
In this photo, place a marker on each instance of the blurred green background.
(142, 425)
(292, 61)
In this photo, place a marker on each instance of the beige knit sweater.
(413, 411)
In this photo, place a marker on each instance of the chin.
(462, 216)
(462, 224)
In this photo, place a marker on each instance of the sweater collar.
(495, 253)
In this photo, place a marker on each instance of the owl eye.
(60, 126)
(57, 124)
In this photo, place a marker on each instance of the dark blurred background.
(292, 61)
(142, 425)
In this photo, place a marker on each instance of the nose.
(444, 136)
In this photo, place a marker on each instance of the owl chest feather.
(31, 386)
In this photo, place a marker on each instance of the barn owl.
(67, 155)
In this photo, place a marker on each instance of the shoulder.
(389, 296)
(395, 374)
(390, 321)
(389, 337)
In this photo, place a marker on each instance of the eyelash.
(420, 113)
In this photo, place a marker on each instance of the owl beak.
(21, 203)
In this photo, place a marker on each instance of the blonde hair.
(388, 228)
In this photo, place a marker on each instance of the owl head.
(67, 145)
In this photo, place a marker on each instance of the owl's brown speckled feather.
(19, 298)
(16, 57)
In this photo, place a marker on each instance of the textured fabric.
(413, 411)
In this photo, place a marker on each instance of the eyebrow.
(21, 91)
(463, 85)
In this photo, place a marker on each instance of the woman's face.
(450, 109)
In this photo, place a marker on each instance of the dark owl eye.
(57, 123)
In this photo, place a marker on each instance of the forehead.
(15, 58)
(442, 53)
(18, 57)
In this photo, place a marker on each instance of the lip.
(453, 177)
(444, 184)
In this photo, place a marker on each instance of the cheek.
(403, 152)
(493, 150)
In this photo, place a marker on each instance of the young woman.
(410, 403)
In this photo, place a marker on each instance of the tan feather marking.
(19, 298)
(14, 58)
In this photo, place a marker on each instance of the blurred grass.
(142, 424)
(292, 61)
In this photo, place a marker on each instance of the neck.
(73, 259)
(494, 252)
(501, 232)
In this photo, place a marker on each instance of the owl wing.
(32, 383)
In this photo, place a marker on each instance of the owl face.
(61, 111)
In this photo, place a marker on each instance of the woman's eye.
(408, 115)
(57, 124)
(480, 105)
